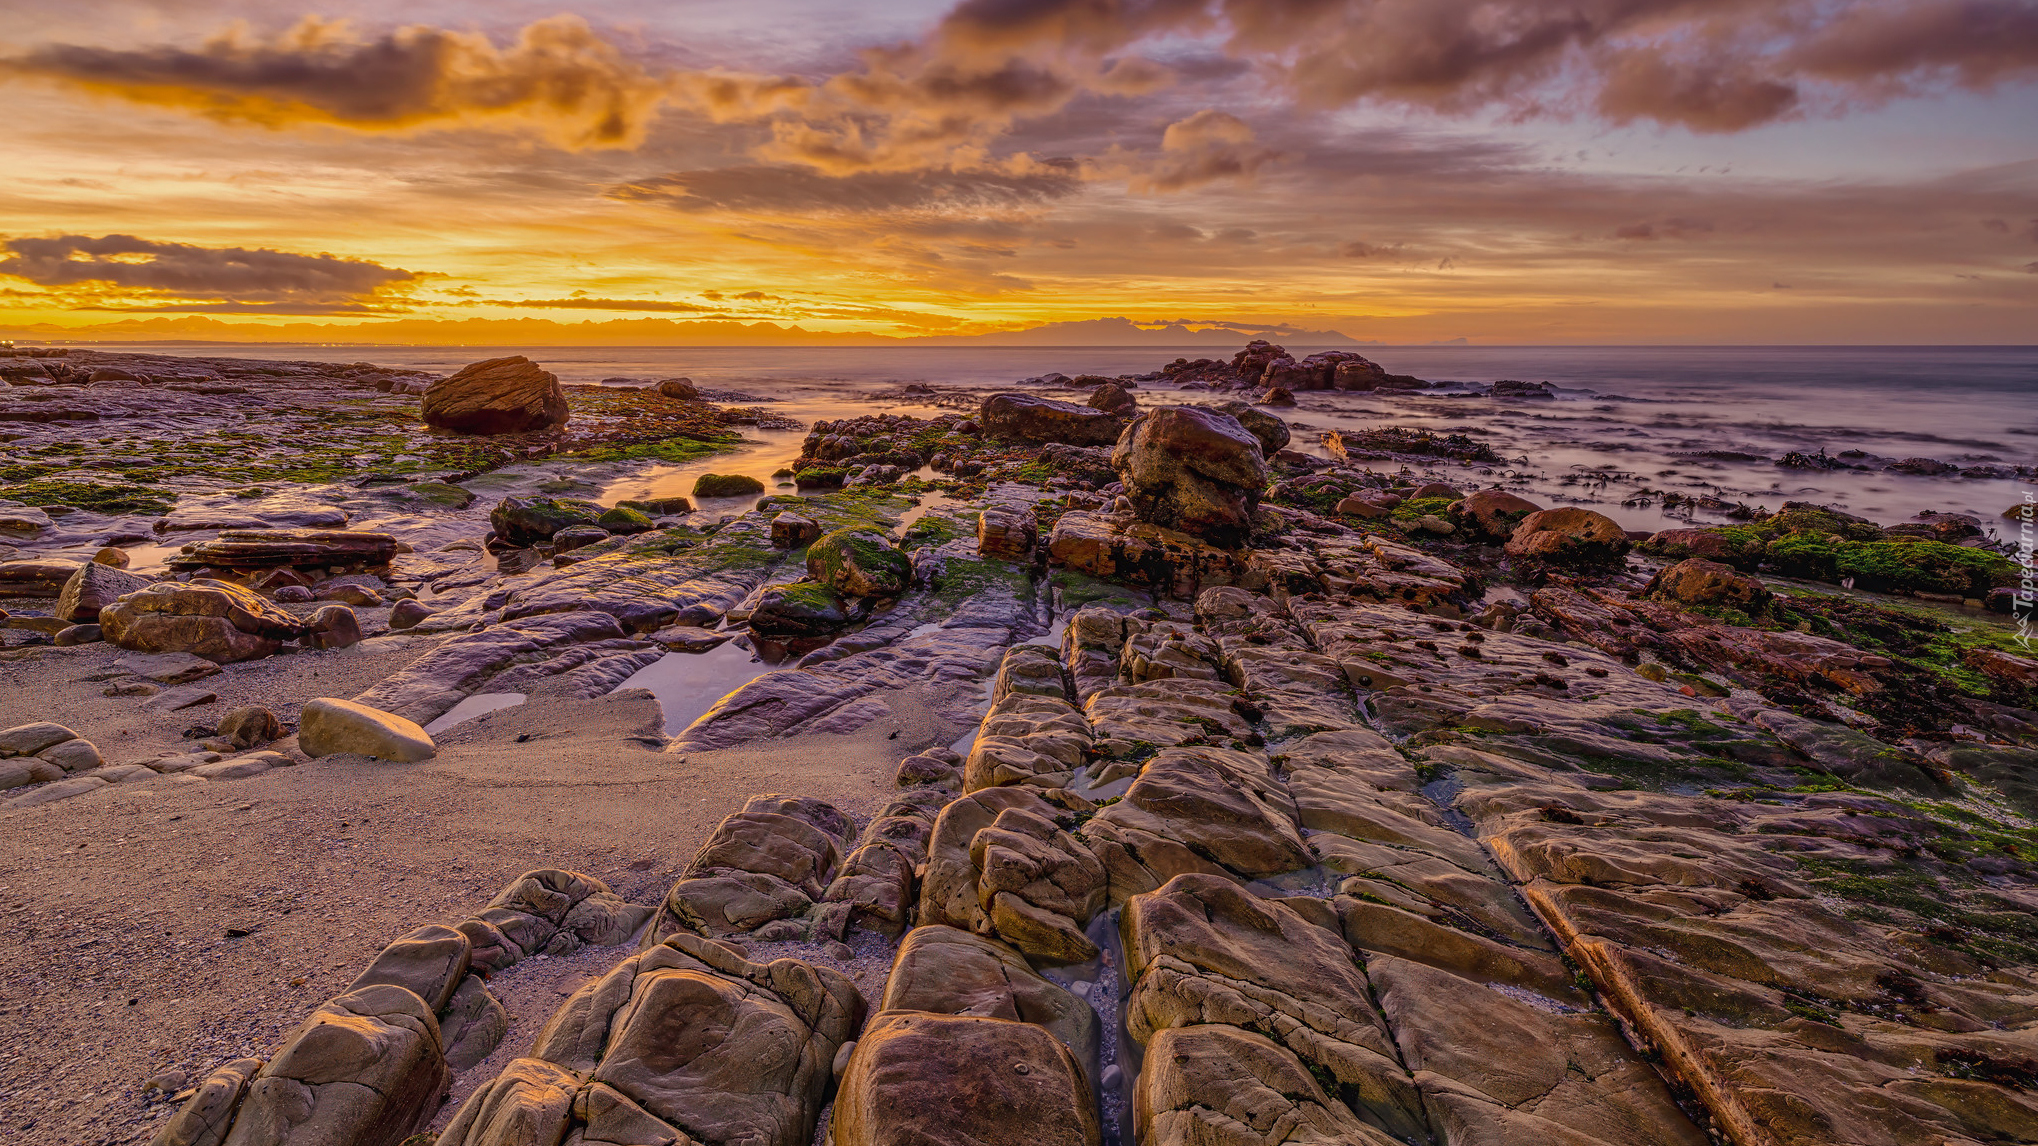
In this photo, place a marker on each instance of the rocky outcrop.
(1192, 470)
(1696, 581)
(1024, 418)
(42, 752)
(1491, 514)
(496, 396)
(859, 563)
(769, 862)
(244, 549)
(918, 1077)
(726, 485)
(1271, 431)
(527, 521)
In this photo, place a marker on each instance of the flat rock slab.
(181, 697)
(167, 668)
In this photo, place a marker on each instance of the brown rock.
(36, 577)
(302, 548)
(529, 1104)
(1198, 471)
(333, 627)
(365, 1068)
(1219, 1084)
(682, 388)
(429, 963)
(1022, 417)
(1113, 399)
(250, 726)
(93, 587)
(1277, 396)
(919, 1078)
(1569, 536)
(792, 530)
(1003, 531)
(945, 971)
(497, 396)
(1356, 506)
(1491, 514)
(1696, 581)
(207, 1115)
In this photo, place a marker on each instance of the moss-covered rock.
(726, 485)
(859, 563)
(623, 519)
(1733, 545)
(802, 609)
(527, 521)
(1893, 566)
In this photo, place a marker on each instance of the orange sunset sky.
(1784, 171)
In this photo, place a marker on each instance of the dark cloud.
(220, 274)
(784, 189)
(558, 77)
(308, 309)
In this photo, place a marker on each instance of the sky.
(1502, 171)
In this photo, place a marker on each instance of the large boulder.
(1113, 399)
(1025, 418)
(92, 588)
(497, 396)
(801, 610)
(1194, 470)
(328, 725)
(1491, 514)
(1569, 536)
(1743, 549)
(206, 618)
(726, 485)
(527, 521)
(859, 563)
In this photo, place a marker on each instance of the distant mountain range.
(653, 332)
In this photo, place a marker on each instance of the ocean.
(1627, 424)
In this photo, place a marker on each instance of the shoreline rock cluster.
(1341, 807)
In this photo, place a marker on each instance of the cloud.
(289, 308)
(578, 303)
(794, 190)
(1208, 146)
(1675, 228)
(218, 274)
(558, 78)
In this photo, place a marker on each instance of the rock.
(1212, 1083)
(2021, 672)
(47, 626)
(430, 963)
(1271, 431)
(1024, 418)
(1569, 536)
(213, 619)
(327, 725)
(798, 611)
(1194, 470)
(472, 1024)
(35, 577)
(1435, 489)
(347, 594)
(366, 1067)
(791, 530)
(1488, 514)
(726, 485)
(1744, 553)
(497, 396)
(1113, 399)
(1510, 388)
(1006, 531)
(1696, 581)
(625, 521)
(859, 563)
(406, 614)
(58, 790)
(291, 595)
(962, 1080)
(946, 971)
(74, 755)
(682, 388)
(1201, 949)
(577, 537)
(1196, 809)
(204, 1119)
(333, 627)
(529, 1104)
(659, 506)
(526, 521)
(78, 635)
(1432, 524)
(168, 668)
(111, 556)
(1277, 396)
(249, 726)
(1116, 547)
(27, 770)
(32, 739)
(180, 697)
(1356, 506)
(22, 520)
(300, 548)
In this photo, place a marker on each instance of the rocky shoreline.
(1244, 794)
